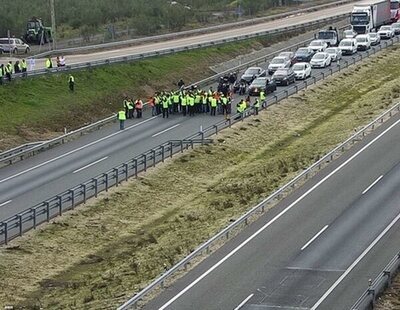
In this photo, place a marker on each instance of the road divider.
(372, 185)
(313, 238)
(5, 203)
(165, 130)
(90, 165)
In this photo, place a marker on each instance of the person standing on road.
(262, 98)
(131, 108)
(256, 106)
(165, 106)
(71, 83)
(49, 63)
(122, 118)
(126, 106)
(213, 103)
(24, 67)
(153, 106)
(62, 61)
(139, 108)
(9, 70)
(184, 104)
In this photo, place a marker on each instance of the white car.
(374, 38)
(318, 45)
(363, 42)
(278, 62)
(302, 70)
(386, 32)
(321, 60)
(349, 34)
(334, 52)
(289, 55)
(348, 46)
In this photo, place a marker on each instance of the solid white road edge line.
(274, 219)
(373, 183)
(165, 130)
(74, 151)
(5, 203)
(315, 237)
(243, 302)
(351, 267)
(91, 164)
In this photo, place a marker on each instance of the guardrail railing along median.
(21, 153)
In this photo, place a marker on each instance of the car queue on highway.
(253, 86)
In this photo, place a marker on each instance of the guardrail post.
(144, 162)
(96, 190)
(162, 153)
(216, 127)
(116, 171)
(323, 75)
(106, 180)
(171, 151)
(20, 224)
(72, 192)
(47, 211)
(181, 141)
(126, 171)
(154, 157)
(315, 79)
(84, 192)
(5, 224)
(59, 203)
(34, 218)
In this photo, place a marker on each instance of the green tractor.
(37, 33)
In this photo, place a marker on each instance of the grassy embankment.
(97, 256)
(39, 108)
(391, 299)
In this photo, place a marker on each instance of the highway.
(316, 249)
(198, 39)
(47, 174)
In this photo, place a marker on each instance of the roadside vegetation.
(390, 300)
(98, 255)
(39, 108)
(80, 18)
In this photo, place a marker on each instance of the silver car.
(16, 46)
(334, 52)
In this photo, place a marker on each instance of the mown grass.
(38, 108)
(97, 256)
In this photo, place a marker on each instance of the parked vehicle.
(284, 76)
(304, 54)
(348, 46)
(318, 45)
(37, 33)
(335, 53)
(262, 83)
(394, 10)
(288, 55)
(278, 62)
(330, 36)
(363, 42)
(252, 73)
(16, 46)
(321, 60)
(302, 70)
(374, 38)
(369, 15)
(349, 34)
(396, 28)
(386, 32)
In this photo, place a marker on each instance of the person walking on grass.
(71, 83)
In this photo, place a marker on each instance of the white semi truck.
(370, 15)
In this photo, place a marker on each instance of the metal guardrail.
(378, 286)
(17, 150)
(279, 194)
(22, 152)
(168, 51)
(210, 29)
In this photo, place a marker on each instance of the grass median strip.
(97, 256)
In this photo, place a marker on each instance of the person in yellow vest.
(130, 107)
(262, 98)
(175, 102)
(9, 70)
(122, 118)
(190, 103)
(24, 67)
(213, 104)
(165, 106)
(49, 63)
(1, 73)
(184, 104)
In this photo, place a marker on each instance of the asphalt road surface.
(314, 250)
(38, 178)
(198, 39)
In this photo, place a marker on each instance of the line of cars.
(287, 67)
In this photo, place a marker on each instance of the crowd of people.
(23, 65)
(191, 101)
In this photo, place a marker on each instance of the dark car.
(262, 83)
(284, 76)
(304, 54)
(252, 73)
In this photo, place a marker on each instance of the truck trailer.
(394, 10)
(369, 15)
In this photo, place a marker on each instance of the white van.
(348, 46)
(363, 42)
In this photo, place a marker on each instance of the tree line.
(145, 16)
